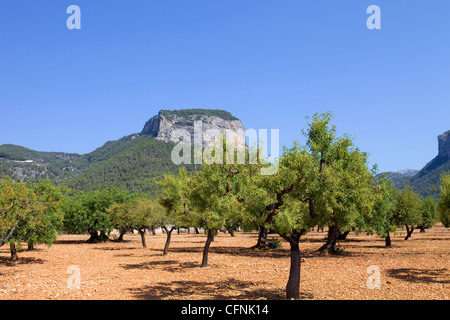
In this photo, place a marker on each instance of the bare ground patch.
(418, 268)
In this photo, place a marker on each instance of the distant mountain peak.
(444, 145)
(176, 125)
(408, 172)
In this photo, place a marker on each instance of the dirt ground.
(418, 268)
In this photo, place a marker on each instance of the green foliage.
(426, 181)
(428, 212)
(29, 212)
(56, 166)
(174, 198)
(326, 183)
(274, 243)
(43, 226)
(86, 211)
(17, 204)
(444, 200)
(136, 168)
(381, 219)
(137, 214)
(407, 205)
(133, 162)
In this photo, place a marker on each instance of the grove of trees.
(325, 182)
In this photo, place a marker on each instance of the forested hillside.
(134, 165)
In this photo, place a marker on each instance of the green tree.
(87, 212)
(13, 207)
(213, 199)
(343, 188)
(381, 219)
(428, 213)
(43, 226)
(175, 199)
(444, 200)
(407, 209)
(17, 204)
(121, 215)
(148, 215)
(327, 183)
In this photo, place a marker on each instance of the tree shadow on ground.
(224, 290)
(182, 266)
(430, 239)
(70, 241)
(22, 260)
(236, 251)
(116, 249)
(421, 275)
(149, 265)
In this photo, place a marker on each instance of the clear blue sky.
(270, 63)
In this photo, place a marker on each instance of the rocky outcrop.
(444, 145)
(186, 125)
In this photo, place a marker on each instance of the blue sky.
(270, 63)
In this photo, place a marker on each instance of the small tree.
(43, 226)
(28, 213)
(444, 200)
(17, 204)
(428, 213)
(15, 207)
(174, 199)
(407, 209)
(121, 215)
(87, 212)
(381, 219)
(148, 215)
(213, 198)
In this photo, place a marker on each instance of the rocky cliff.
(444, 145)
(187, 124)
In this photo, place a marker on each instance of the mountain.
(134, 162)
(187, 125)
(407, 172)
(400, 178)
(28, 164)
(427, 180)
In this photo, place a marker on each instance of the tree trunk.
(330, 245)
(343, 236)
(293, 284)
(262, 238)
(169, 235)
(94, 236)
(209, 239)
(103, 236)
(30, 246)
(142, 233)
(13, 249)
(409, 232)
(122, 233)
(153, 231)
(388, 240)
(196, 230)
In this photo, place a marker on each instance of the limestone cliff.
(187, 124)
(444, 145)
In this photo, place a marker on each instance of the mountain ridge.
(426, 181)
(133, 162)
